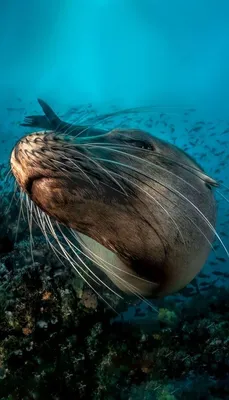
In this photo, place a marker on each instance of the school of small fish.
(207, 141)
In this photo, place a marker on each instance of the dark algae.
(59, 341)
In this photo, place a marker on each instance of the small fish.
(187, 291)
(226, 131)
(179, 300)
(223, 234)
(204, 289)
(221, 259)
(172, 128)
(202, 275)
(11, 109)
(218, 273)
(140, 314)
(203, 156)
(196, 129)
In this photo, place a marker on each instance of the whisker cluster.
(78, 154)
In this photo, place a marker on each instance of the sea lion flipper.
(53, 119)
(49, 121)
(37, 121)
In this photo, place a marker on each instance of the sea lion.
(142, 209)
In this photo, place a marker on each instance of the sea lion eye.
(141, 144)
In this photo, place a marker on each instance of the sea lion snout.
(27, 160)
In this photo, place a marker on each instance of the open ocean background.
(86, 57)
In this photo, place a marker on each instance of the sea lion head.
(142, 209)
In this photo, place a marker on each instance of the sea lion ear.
(210, 181)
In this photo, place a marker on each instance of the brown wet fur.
(132, 225)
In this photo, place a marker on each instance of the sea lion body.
(144, 210)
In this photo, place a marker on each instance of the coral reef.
(59, 341)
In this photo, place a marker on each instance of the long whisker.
(80, 274)
(22, 203)
(8, 175)
(19, 200)
(43, 220)
(104, 170)
(74, 234)
(30, 221)
(131, 156)
(72, 246)
(129, 286)
(223, 185)
(135, 110)
(13, 197)
(178, 194)
(182, 215)
(73, 262)
(149, 163)
(157, 203)
(75, 166)
(78, 120)
(194, 170)
(87, 157)
(42, 225)
(221, 194)
(19, 214)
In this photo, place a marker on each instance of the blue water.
(124, 53)
(121, 50)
